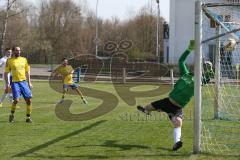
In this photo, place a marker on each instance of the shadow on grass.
(42, 146)
(123, 156)
(172, 155)
(69, 156)
(221, 155)
(113, 144)
(108, 144)
(164, 149)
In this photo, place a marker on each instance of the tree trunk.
(4, 29)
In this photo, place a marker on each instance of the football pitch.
(122, 133)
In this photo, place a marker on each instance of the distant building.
(182, 25)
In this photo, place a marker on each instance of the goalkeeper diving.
(66, 72)
(179, 97)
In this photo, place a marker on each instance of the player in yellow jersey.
(21, 82)
(66, 71)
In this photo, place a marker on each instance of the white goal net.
(220, 101)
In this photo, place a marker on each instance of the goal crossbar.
(221, 4)
(216, 19)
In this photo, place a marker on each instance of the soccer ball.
(230, 44)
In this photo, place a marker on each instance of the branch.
(20, 37)
(10, 4)
(17, 13)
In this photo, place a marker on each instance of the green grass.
(122, 133)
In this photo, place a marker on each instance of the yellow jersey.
(67, 73)
(18, 66)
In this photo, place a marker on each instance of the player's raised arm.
(182, 66)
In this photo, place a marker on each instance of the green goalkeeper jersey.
(184, 88)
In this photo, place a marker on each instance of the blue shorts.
(73, 86)
(10, 79)
(21, 88)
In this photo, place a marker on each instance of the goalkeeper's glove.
(191, 45)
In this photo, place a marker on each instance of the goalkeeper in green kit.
(179, 97)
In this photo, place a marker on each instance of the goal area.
(217, 104)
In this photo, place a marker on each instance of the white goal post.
(217, 104)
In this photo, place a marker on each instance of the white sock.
(3, 97)
(177, 134)
(147, 111)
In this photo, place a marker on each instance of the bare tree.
(60, 24)
(63, 28)
(7, 15)
(9, 5)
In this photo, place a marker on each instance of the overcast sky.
(120, 8)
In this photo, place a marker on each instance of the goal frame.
(198, 68)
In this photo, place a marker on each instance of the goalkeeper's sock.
(177, 134)
(140, 108)
(29, 110)
(149, 108)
